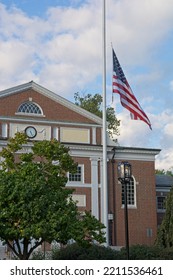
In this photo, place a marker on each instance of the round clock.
(30, 131)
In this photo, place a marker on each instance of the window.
(131, 193)
(30, 108)
(161, 202)
(78, 176)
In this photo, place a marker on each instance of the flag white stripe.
(128, 99)
(126, 94)
(124, 101)
(127, 90)
(131, 101)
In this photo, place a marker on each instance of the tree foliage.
(165, 232)
(92, 103)
(35, 206)
(163, 172)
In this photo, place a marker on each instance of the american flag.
(127, 98)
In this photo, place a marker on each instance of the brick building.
(43, 114)
(163, 185)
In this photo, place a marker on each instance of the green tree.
(160, 171)
(164, 172)
(92, 103)
(165, 231)
(35, 206)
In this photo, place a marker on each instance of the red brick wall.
(87, 168)
(144, 216)
(51, 109)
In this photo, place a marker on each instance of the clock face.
(30, 131)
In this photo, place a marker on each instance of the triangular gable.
(53, 96)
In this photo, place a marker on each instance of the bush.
(97, 252)
(141, 252)
(166, 253)
(91, 252)
(39, 255)
(144, 252)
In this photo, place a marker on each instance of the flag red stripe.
(137, 114)
(137, 117)
(127, 98)
(131, 102)
(125, 88)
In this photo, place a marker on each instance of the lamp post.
(110, 219)
(124, 176)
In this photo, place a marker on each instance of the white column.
(94, 186)
(101, 191)
(94, 135)
(56, 133)
(4, 130)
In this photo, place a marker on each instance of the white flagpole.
(104, 190)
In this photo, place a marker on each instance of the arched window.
(131, 193)
(30, 107)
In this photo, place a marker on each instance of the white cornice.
(55, 97)
(121, 153)
(38, 120)
(133, 153)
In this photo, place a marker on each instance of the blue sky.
(39, 7)
(58, 44)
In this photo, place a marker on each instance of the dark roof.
(164, 180)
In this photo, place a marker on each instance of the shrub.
(91, 252)
(97, 252)
(166, 254)
(143, 252)
(39, 255)
(139, 252)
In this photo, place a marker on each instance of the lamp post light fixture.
(124, 176)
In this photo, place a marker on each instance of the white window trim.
(77, 183)
(134, 206)
(30, 114)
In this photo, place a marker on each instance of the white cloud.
(139, 26)
(133, 133)
(63, 50)
(137, 134)
(72, 36)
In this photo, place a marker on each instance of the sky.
(58, 44)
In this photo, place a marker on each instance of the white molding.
(78, 185)
(166, 189)
(130, 153)
(27, 119)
